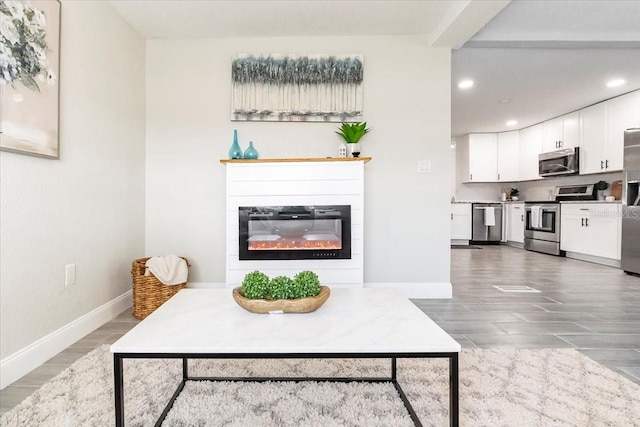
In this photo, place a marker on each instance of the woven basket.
(148, 292)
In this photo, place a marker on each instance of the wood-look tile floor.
(589, 307)
(106, 334)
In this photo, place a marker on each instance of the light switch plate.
(424, 166)
(69, 275)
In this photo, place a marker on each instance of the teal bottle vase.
(250, 152)
(235, 152)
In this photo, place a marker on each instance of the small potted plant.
(352, 133)
(302, 294)
(601, 186)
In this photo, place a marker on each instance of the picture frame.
(298, 88)
(29, 109)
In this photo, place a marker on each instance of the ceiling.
(439, 21)
(546, 57)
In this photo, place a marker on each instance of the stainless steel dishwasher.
(486, 225)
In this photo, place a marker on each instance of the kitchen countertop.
(537, 201)
(590, 201)
(488, 201)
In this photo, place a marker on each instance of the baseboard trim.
(459, 242)
(594, 259)
(20, 363)
(514, 244)
(431, 290)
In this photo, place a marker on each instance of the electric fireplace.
(294, 232)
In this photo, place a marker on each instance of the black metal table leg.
(118, 389)
(454, 391)
(394, 368)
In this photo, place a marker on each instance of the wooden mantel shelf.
(308, 159)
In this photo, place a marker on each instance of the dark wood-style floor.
(589, 307)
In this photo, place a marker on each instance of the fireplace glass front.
(294, 232)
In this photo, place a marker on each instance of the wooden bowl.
(265, 306)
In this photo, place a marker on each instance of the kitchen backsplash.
(539, 190)
(480, 191)
(530, 190)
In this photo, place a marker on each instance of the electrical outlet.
(69, 275)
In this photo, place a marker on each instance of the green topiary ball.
(281, 287)
(306, 284)
(255, 285)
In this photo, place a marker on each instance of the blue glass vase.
(250, 152)
(235, 152)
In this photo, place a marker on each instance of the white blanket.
(169, 269)
(489, 216)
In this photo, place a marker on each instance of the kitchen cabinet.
(460, 221)
(593, 135)
(623, 113)
(602, 129)
(561, 132)
(515, 222)
(508, 156)
(479, 159)
(591, 229)
(530, 148)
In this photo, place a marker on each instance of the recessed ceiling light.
(616, 82)
(512, 122)
(465, 84)
(505, 101)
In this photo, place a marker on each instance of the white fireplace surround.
(297, 183)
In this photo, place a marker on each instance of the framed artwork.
(319, 88)
(29, 69)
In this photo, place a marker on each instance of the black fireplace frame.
(292, 213)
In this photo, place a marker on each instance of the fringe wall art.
(313, 88)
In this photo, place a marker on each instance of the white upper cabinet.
(551, 135)
(561, 132)
(513, 156)
(570, 130)
(530, 148)
(623, 113)
(509, 156)
(593, 130)
(602, 129)
(479, 158)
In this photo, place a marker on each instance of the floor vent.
(516, 288)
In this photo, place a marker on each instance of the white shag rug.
(501, 387)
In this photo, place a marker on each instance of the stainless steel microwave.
(561, 162)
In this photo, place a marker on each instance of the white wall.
(406, 102)
(88, 207)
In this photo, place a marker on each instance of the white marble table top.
(351, 321)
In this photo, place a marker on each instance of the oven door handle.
(553, 209)
(295, 216)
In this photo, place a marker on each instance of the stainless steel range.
(542, 219)
(542, 227)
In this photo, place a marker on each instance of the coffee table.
(353, 323)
